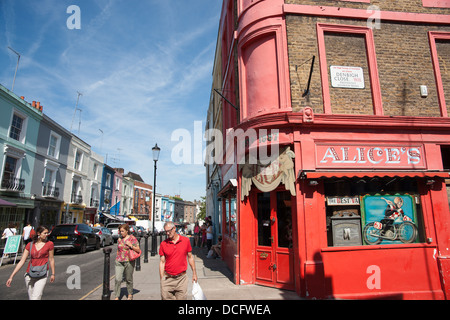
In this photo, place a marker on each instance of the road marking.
(92, 291)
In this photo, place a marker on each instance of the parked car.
(134, 230)
(105, 236)
(140, 231)
(114, 228)
(78, 236)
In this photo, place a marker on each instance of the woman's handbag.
(37, 271)
(133, 255)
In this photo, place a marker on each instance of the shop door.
(274, 253)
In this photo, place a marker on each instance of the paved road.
(76, 276)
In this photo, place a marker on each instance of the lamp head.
(156, 151)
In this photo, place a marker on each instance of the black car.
(78, 236)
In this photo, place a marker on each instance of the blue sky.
(144, 68)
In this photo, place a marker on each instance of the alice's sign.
(356, 156)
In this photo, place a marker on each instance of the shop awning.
(4, 203)
(111, 216)
(133, 218)
(371, 174)
(230, 186)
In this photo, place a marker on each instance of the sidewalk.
(213, 276)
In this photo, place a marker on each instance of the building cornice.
(363, 14)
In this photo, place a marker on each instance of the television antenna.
(75, 112)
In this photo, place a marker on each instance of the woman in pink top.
(125, 267)
(42, 252)
(196, 234)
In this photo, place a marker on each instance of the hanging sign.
(267, 178)
(347, 77)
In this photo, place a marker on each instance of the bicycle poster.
(389, 219)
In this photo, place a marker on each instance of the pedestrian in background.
(42, 252)
(10, 231)
(203, 233)
(209, 235)
(196, 234)
(26, 234)
(173, 264)
(124, 267)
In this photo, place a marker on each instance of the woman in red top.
(42, 252)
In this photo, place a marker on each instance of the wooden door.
(274, 253)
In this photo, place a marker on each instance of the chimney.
(38, 105)
(22, 97)
(33, 104)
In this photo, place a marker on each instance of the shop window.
(230, 227)
(445, 154)
(373, 211)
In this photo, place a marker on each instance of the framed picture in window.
(389, 219)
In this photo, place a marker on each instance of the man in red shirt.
(173, 264)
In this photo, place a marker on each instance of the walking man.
(174, 253)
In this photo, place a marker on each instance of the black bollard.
(146, 248)
(106, 292)
(138, 260)
(154, 239)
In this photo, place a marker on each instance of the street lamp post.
(156, 151)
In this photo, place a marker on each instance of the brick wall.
(402, 54)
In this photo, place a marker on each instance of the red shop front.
(359, 214)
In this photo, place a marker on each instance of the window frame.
(433, 36)
(57, 146)
(434, 3)
(322, 28)
(80, 160)
(23, 130)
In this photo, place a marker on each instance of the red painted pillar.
(441, 215)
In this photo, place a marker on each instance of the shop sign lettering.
(340, 201)
(395, 157)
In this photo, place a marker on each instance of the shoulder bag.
(37, 271)
(133, 255)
